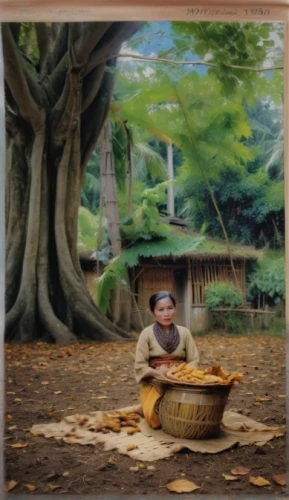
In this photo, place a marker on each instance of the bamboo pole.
(189, 294)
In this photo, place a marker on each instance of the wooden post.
(189, 301)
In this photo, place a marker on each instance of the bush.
(222, 294)
(268, 278)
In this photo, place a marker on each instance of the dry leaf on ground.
(259, 481)
(280, 479)
(182, 486)
(10, 485)
(30, 487)
(18, 445)
(240, 471)
(54, 486)
(230, 478)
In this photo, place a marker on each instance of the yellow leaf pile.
(215, 375)
(115, 422)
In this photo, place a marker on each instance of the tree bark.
(53, 120)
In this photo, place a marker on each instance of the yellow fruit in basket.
(214, 375)
(176, 369)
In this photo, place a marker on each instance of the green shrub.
(222, 294)
(269, 277)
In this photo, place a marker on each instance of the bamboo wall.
(174, 277)
(204, 272)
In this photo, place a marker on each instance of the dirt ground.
(46, 382)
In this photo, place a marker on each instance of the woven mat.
(237, 430)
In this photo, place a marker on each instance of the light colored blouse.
(148, 347)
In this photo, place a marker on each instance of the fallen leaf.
(17, 400)
(240, 471)
(101, 397)
(12, 427)
(263, 399)
(45, 382)
(261, 443)
(230, 478)
(65, 474)
(259, 481)
(9, 417)
(30, 487)
(151, 467)
(10, 485)
(134, 469)
(18, 445)
(182, 486)
(281, 395)
(10, 392)
(57, 392)
(280, 479)
(54, 486)
(131, 447)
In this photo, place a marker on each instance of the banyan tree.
(58, 86)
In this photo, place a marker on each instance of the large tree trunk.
(53, 122)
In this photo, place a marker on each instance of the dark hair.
(159, 296)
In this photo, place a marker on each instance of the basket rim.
(167, 381)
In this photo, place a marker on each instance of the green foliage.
(228, 44)
(222, 294)
(29, 47)
(268, 277)
(87, 226)
(228, 321)
(90, 191)
(145, 223)
(207, 117)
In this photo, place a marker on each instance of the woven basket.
(193, 412)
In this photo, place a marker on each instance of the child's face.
(164, 312)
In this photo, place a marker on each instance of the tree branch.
(194, 63)
(42, 35)
(91, 86)
(17, 81)
(111, 42)
(92, 120)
